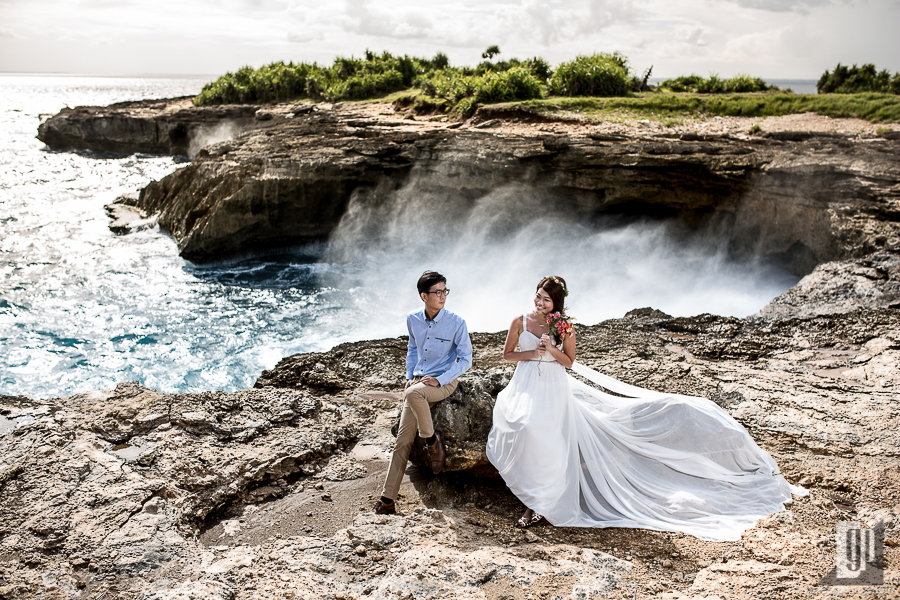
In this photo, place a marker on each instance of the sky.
(774, 39)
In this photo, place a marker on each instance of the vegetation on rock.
(593, 86)
(854, 80)
(346, 79)
(458, 90)
(596, 75)
(876, 108)
(739, 84)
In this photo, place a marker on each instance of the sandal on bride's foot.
(525, 521)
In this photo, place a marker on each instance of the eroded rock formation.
(172, 126)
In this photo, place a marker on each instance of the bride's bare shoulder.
(516, 324)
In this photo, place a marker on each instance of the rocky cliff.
(289, 175)
(172, 126)
(266, 493)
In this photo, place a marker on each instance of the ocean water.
(798, 86)
(82, 308)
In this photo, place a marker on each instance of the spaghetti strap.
(524, 327)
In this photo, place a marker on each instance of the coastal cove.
(83, 308)
(217, 364)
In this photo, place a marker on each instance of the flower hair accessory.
(556, 280)
(561, 325)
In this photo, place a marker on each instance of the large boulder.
(465, 418)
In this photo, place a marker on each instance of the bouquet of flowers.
(561, 324)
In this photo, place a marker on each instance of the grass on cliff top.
(876, 108)
(456, 90)
(595, 86)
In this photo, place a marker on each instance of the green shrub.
(596, 75)
(855, 80)
(440, 61)
(540, 68)
(684, 83)
(450, 84)
(346, 79)
(516, 84)
(465, 91)
(739, 84)
(466, 107)
(491, 52)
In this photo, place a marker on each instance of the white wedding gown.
(585, 458)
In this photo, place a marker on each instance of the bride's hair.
(557, 290)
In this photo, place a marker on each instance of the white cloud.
(800, 6)
(695, 37)
(386, 22)
(305, 36)
(770, 38)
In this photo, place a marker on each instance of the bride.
(582, 457)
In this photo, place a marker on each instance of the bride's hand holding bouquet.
(561, 325)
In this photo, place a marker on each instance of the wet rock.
(126, 217)
(293, 186)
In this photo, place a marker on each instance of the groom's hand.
(429, 380)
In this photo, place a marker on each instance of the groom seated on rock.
(438, 352)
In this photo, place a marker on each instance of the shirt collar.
(437, 317)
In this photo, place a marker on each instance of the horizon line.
(116, 75)
(217, 75)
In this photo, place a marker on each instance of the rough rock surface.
(802, 198)
(265, 493)
(791, 377)
(871, 282)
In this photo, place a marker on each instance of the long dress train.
(586, 458)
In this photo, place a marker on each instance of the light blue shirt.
(440, 348)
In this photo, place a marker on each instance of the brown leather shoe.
(437, 452)
(385, 509)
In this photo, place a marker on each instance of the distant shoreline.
(108, 76)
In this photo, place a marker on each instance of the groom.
(438, 352)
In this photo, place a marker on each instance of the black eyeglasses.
(440, 293)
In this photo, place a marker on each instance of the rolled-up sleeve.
(463, 355)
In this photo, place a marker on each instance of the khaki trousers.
(416, 415)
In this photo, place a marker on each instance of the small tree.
(440, 61)
(491, 52)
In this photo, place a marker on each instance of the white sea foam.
(211, 134)
(495, 248)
